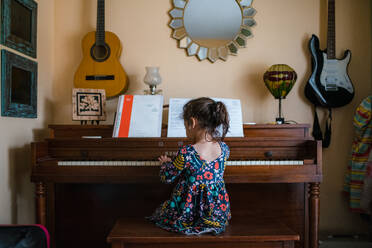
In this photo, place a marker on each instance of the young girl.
(199, 202)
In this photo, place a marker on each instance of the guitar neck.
(331, 35)
(100, 32)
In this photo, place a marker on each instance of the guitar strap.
(317, 131)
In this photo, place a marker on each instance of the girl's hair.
(211, 115)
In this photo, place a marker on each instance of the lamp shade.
(279, 79)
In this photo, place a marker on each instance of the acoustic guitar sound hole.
(100, 52)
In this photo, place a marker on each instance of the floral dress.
(199, 202)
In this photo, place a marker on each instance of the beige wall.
(281, 36)
(16, 134)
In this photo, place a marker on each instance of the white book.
(176, 126)
(138, 116)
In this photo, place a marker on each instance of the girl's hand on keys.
(163, 159)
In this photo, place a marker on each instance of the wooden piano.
(84, 185)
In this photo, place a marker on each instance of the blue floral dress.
(199, 202)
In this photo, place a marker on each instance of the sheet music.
(176, 126)
(145, 116)
(234, 108)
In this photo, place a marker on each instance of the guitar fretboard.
(331, 35)
(100, 32)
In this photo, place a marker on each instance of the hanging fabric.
(361, 147)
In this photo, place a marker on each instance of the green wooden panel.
(18, 86)
(19, 25)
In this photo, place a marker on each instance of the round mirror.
(212, 29)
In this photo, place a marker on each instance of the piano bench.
(139, 233)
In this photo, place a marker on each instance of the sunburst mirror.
(212, 29)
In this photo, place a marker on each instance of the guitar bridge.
(99, 77)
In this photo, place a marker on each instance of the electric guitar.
(329, 84)
(100, 67)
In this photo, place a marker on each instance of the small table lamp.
(279, 79)
(152, 79)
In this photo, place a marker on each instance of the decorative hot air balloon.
(279, 79)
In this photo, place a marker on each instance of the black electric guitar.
(329, 84)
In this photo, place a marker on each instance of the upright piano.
(85, 180)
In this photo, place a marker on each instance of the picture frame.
(19, 26)
(88, 104)
(18, 86)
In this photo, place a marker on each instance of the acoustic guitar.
(329, 84)
(100, 67)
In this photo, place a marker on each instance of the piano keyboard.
(156, 163)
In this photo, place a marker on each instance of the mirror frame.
(212, 53)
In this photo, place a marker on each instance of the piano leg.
(314, 214)
(40, 203)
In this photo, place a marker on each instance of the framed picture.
(19, 24)
(88, 104)
(18, 86)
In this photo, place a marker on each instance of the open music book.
(176, 127)
(138, 116)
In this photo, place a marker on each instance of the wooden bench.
(139, 233)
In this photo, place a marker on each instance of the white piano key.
(156, 163)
